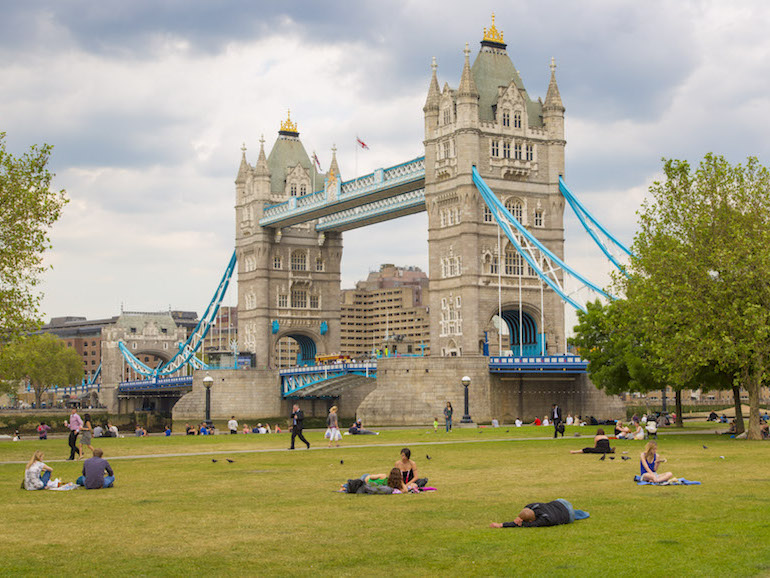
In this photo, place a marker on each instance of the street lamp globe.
(466, 381)
(208, 381)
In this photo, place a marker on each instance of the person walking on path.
(86, 433)
(297, 417)
(333, 427)
(74, 424)
(448, 411)
(556, 419)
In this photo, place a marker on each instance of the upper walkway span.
(386, 193)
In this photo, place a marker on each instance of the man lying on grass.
(536, 514)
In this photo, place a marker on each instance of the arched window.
(293, 190)
(517, 120)
(506, 118)
(515, 207)
(298, 261)
(447, 116)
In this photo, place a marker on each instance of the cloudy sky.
(148, 104)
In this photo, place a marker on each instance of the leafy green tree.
(44, 360)
(699, 283)
(28, 208)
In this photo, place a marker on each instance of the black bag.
(355, 485)
(560, 428)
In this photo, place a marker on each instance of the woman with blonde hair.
(36, 474)
(649, 462)
(333, 428)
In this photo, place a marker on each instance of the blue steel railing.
(156, 384)
(538, 364)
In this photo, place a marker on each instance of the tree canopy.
(44, 360)
(698, 287)
(28, 208)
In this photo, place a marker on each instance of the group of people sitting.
(96, 473)
(401, 479)
(261, 429)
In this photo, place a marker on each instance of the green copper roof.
(286, 153)
(493, 68)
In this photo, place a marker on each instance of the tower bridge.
(490, 182)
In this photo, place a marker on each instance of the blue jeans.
(108, 481)
(44, 477)
(448, 424)
(573, 513)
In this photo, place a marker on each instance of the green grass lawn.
(277, 513)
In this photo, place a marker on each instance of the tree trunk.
(678, 397)
(739, 429)
(39, 390)
(755, 433)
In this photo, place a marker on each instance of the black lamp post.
(208, 381)
(466, 381)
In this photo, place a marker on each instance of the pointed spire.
(467, 85)
(431, 103)
(244, 169)
(552, 97)
(261, 168)
(334, 168)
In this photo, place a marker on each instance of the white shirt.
(232, 424)
(518, 423)
(545, 421)
(114, 430)
(262, 430)
(569, 420)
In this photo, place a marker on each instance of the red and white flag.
(362, 144)
(316, 161)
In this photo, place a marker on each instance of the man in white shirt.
(518, 422)
(233, 425)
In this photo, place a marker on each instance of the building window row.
(451, 266)
(506, 119)
(520, 152)
(449, 216)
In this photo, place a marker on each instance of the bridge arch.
(302, 352)
(518, 334)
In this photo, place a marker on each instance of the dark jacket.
(546, 514)
(298, 415)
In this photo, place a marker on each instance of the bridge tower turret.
(288, 279)
(517, 144)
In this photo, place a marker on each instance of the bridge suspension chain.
(542, 261)
(188, 349)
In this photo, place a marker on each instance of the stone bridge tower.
(517, 144)
(288, 279)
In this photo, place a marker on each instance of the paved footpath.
(324, 448)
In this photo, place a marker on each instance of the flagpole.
(356, 161)
(313, 165)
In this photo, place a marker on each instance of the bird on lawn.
(624, 458)
(342, 462)
(705, 447)
(213, 460)
(604, 456)
(612, 457)
(230, 461)
(427, 457)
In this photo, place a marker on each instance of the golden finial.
(493, 34)
(289, 126)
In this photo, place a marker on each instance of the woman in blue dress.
(649, 462)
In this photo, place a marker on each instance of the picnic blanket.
(678, 482)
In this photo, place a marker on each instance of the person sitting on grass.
(601, 445)
(37, 474)
(537, 514)
(639, 433)
(203, 431)
(621, 431)
(93, 477)
(537, 421)
(140, 432)
(167, 431)
(406, 466)
(649, 461)
(246, 429)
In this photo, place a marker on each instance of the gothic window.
(303, 189)
(293, 190)
(450, 217)
(487, 215)
(517, 151)
(506, 150)
(314, 301)
(530, 152)
(283, 301)
(319, 264)
(539, 218)
(277, 262)
(515, 207)
(443, 218)
(517, 120)
(447, 116)
(495, 148)
(457, 215)
(493, 266)
(514, 264)
(298, 261)
(299, 298)
(506, 118)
